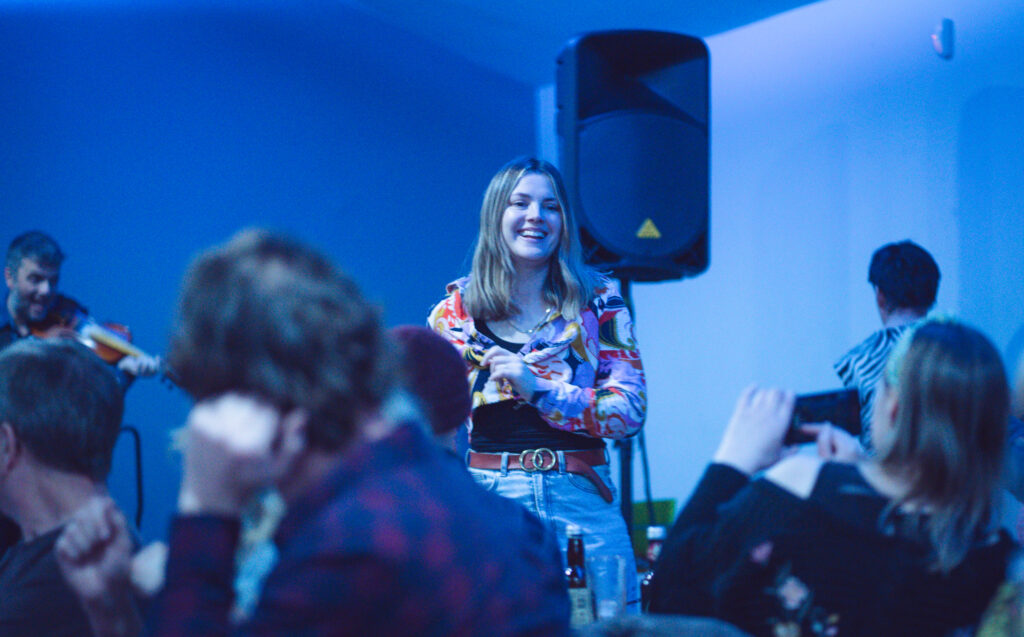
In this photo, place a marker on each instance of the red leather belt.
(544, 459)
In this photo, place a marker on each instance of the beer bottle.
(581, 607)
(655, 538)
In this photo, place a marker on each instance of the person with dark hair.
(904, 542)
(383, 533)
(905, 279)
(552, 360)
(31, 272)
(60, 415)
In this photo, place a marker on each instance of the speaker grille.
(641, 159)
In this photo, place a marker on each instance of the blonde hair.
(570, 283)
(949, 433)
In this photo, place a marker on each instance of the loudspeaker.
(633, 130)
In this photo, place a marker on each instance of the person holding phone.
(902, 542)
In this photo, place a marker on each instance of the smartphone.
(840, 407)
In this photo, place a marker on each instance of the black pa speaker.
(633, 126)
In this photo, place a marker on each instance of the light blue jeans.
(559, 498)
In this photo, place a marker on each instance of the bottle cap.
(656, 532)
(573, 529)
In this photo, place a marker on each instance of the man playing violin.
(31, 271)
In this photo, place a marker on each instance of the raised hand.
(234, 446)
(94, 553)
(753, 438)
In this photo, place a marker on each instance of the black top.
(35, 599)
(758, 556)
(513, 425)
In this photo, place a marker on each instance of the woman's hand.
(753, 437)
(835, 444)
(505, 365)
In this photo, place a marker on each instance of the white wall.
(835, 129)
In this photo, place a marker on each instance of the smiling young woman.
(551, 359)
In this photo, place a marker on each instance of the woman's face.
(531, 225)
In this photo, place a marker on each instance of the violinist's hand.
(235, 445)
(753, 439)
(507, 366)
(140, 365)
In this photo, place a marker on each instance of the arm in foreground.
(94, 553)
(725, 511)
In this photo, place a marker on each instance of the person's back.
(831, 557)
(420, 549)
(783, 561)
(905, 280)
(36, 600)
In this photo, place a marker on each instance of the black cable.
(627, 296)
(647, 478)
(138, 472)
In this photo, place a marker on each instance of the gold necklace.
(536, 327)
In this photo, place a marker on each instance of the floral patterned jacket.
(589, 376)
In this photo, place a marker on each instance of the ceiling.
(522, 38)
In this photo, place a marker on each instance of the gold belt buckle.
(537, 459)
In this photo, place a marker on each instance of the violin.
(110, 341)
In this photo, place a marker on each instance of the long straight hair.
(949, 433)
(570, 283)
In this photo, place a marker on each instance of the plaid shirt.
(397, 541)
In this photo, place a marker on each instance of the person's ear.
(9, 276)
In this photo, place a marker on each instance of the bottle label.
(653, 550)
(581, 610)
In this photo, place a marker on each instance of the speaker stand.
(625, 447)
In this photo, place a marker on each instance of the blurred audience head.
(62, 403)
(435, 374)
(940, 423)
(266, 315)
(906, 275)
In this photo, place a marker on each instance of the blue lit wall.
(836, 129)
(137, 137)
